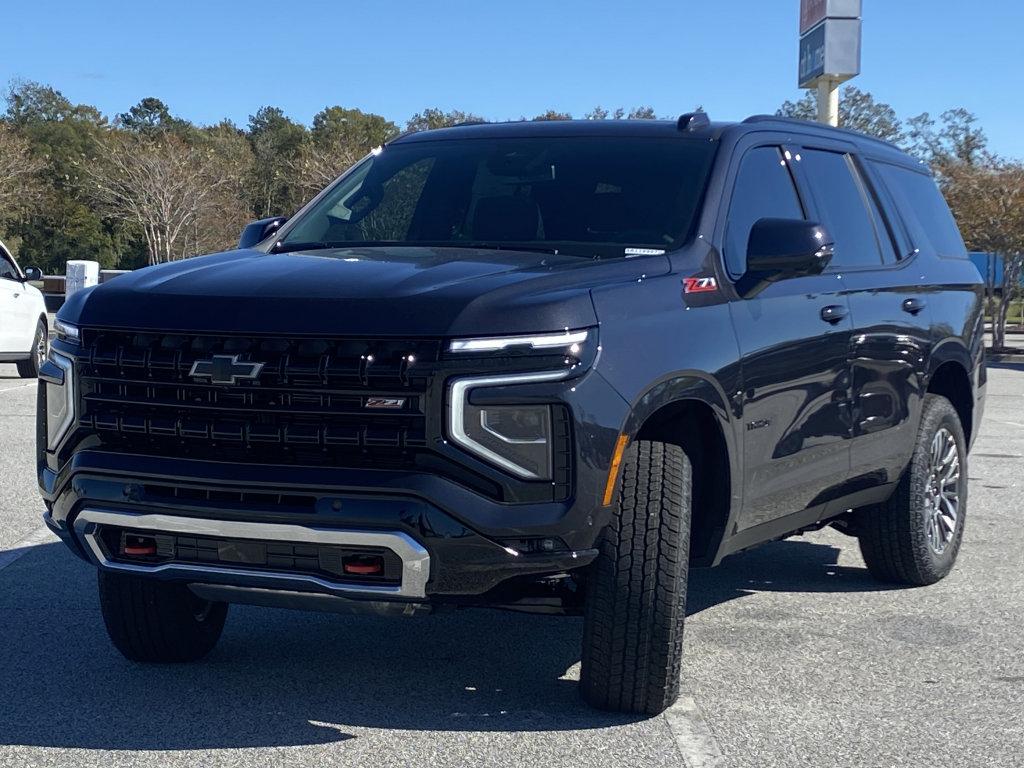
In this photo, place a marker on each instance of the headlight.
(569, 341)
(58, 375)
(66, 331)
(517, 438)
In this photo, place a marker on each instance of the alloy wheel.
(942, 491)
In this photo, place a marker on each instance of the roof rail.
(469, 122)
(798, 121)
(693, 121)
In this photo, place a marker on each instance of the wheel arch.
(692, 412)
(949, 376)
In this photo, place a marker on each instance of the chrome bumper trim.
(415, 559)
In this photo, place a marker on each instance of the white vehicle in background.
(23, 325)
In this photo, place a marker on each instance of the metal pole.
(828, 102)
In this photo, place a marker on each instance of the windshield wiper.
(283, 247)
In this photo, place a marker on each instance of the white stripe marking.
(17, 386)
(34, 539)
(694, 739)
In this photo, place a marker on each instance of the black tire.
(636, 588)
(157, 621)
(894, 536)
(29, 369)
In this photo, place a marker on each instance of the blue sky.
(504, 59)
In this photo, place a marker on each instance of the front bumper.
(446, 557)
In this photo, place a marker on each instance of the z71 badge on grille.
(385, 402)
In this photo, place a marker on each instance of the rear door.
(889, 307)
(794, 339)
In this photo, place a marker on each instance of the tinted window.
(919, 198)
(589, 196)
(882, 228)
(764, 190)
(842, 200)
(7, 269)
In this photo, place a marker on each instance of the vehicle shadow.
(284, 678)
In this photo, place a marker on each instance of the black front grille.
(320, 402)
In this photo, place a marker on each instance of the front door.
(794, 341)
(11, 307)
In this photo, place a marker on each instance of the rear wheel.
(915, 536)
(636, 588)
(158, 621)
(29, 369)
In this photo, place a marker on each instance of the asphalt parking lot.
(794, 657)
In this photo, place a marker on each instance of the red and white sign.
(812, 12)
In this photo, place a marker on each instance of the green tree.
(276, 141)
(338, 138)
(553, 115)
(636, 113)
(431, 118)
(151, 115)
(61, 225)
(954, 138)
(858, 110)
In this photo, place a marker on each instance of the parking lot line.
(696, 742)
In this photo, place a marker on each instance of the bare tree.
(167, 186)
(988, 201)
(319, 163)
(20, 181)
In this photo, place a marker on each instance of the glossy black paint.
(256, 232)
(814, 382)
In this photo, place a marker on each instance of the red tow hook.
(364, 565)
(138, 546)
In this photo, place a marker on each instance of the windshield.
(588, 196)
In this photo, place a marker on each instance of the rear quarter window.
(924, 209)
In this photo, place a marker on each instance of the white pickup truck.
(23, 325)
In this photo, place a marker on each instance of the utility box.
(79, 275)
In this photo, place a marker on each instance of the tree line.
(146, 186)
(984, 190)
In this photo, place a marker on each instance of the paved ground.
(794, 657)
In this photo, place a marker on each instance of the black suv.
(538, 366)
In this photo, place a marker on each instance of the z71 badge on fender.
(699, 284)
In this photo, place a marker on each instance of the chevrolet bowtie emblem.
(225, 369)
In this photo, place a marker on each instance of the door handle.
(834, 313)
(913, 305)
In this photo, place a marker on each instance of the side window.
(843, 202)
(7, 269)
(882, 228)
(764, 190)
(919, 198)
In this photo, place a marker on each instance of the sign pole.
(830, 32)
(828, 102)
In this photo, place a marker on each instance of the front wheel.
(158, 621)
(636, 588)
(29, 369)
(914, 537)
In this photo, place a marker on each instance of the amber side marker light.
(613, 470)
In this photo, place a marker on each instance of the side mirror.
(258, 231)
(33, 274)
(783, 248)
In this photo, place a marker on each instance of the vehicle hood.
(359, 291)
